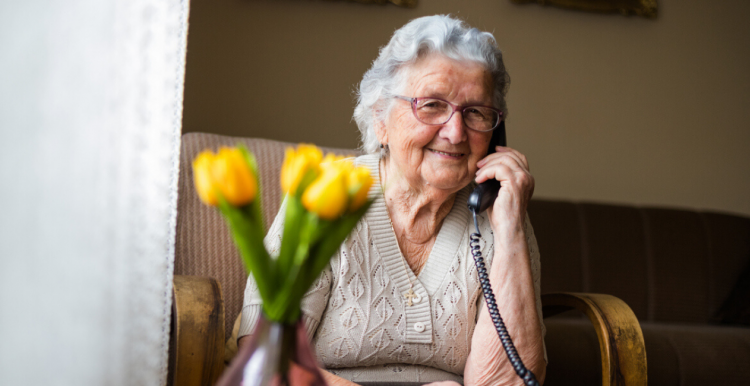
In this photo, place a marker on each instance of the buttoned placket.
(418, 316)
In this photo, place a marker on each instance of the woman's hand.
(301, 374)
(511, 168)
(444, 383)
(511, 278)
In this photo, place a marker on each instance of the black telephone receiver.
(480, 199)
(484, 194)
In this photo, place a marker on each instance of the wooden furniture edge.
(623, 351)
(197, 338)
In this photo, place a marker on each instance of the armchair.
(210, 281)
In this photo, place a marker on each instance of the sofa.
(684, 273)
(679, 271)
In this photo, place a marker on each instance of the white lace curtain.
(90, 113)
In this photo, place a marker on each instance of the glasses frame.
(414, 101)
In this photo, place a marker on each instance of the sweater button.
(419, 327)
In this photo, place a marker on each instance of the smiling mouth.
(445, 153)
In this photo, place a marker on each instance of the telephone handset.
(480, 199)
(484, 194)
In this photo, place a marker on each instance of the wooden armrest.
(196, 347)
(620, 337)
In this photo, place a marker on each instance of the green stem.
(246, 232)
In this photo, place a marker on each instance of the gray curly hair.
(440, 34)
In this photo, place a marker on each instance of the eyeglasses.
(435, 111)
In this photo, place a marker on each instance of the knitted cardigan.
(361, 326)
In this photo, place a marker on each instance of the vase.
(278, 355)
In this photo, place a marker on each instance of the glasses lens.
(437, 112)
(481, 118)
(433, 111)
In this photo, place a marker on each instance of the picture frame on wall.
(645, 8)
(400, 3)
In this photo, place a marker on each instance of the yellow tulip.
(233, 177)
(202, 166)
(331, 158)
(358, 182)
(297, 164)
(327, 196)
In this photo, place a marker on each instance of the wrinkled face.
(441, 156)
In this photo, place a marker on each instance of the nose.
(454, 130)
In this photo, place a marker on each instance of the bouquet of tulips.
(325, 197)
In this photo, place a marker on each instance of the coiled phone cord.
(528, 377)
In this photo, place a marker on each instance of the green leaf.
(310, 176)
(255, 207)
(288, 301)
(336, 236)
(321, 252)
(290, 236)
(247, 233)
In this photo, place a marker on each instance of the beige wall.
(607, 108)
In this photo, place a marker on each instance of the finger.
(508, 160)
(508, 172)
(519, 181)
(518, 157)
(517, 154)
(498, 171)
(523, 158)
(506, 151)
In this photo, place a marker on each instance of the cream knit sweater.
(362, 328)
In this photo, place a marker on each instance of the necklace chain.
(410, 296)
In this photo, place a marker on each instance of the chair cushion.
(573, 353)
(736, 309)
(680, 355)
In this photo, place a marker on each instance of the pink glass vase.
(278, 355)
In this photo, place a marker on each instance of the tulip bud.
(297, 164)
(233, 177)
(358, 183)
(327, 196)
(202, 165)
(331, 158)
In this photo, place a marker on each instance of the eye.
(475, 113)
(432, 105)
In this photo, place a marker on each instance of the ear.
(379, 126)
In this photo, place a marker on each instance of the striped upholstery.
(203, 246)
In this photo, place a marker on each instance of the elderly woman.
(401, 300)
